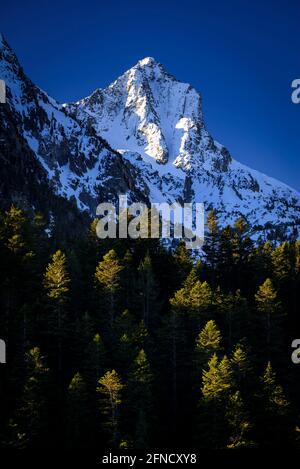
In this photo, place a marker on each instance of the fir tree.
(56, 283)
(262, 263)
(267, 306)
(217, 383)
(108, 277)
(148, 292)
(273, 415)
(234, 313)
(171, 366)
(239, 425)
(273, 392)
(129, 281)
(212, 245)
(208, 342)
(183, 262)
(28, 428)
(56, 279)
(125, 323)
(140, 400)
(141, 337)
(194, 300)
(95, 361)
(242, 368)
(78, 416)
(109, 389)
(282, 260)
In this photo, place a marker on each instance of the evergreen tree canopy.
(108, 272)
(56, 279)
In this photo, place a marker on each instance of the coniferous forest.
(126, 344)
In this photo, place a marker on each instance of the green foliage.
(107, 277)
(273, 415)
(109, 388)
(56, 279)
(139, 403)
(209, 338)
(239, 424)
(208, 343)
(95, 360)
(28, 428)
(78, 416)
(148, 292)
(164, 320)
(273, 392)
(266, 298)
(217, 380)
(108, 272)
(241, 364)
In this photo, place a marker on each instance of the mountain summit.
(145, 135)
(147, 111)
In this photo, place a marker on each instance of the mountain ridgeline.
(143, 135)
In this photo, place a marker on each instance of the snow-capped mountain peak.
(148, 111)
(145, 135)
(157, 123)
(147, 62)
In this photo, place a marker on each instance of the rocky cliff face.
(51, 150)
(143, 135)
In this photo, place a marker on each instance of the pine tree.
(141, 337)
(217, 384)
(273, 392)
(95, 361)
(200, 303)
(107, 276)
(242, 368)
(129, 281)
(208, 342)
(194, 300)
(267, 307)
(171, 366)
(29, 427)
(148, 292)
(125, 323)
(183, 262)
(125, 352)
(78, 416)
(282, 260)
(130, 338)
(140, 399)
(234, 313)
(190, 280)
(239, 424)
(15, 227)
(242, 246)
(109, 389)
(273, 416)
(212, 246)
(83, 331)
(226, 262)
(262, 263)
(56, 283)
(17, 277)
(56, 279)
(285, 260)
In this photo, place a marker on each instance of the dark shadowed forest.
(126, 344)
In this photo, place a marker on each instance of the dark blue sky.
(241, 55)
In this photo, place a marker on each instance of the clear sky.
(241, 55)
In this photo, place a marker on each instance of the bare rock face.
(143, 135)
